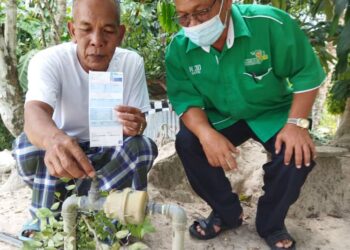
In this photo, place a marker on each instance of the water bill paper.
(105, 93)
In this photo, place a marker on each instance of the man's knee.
(141, 146)
(28, 157)
(186, 141)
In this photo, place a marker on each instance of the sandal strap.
(207, 225)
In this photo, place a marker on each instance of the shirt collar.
(237, 28)
(229, 39)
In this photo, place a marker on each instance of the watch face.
(304, 123)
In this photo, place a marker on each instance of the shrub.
(5, 137)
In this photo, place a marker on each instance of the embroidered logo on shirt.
(259, 57)
(195, 69)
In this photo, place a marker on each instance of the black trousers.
(282, 183)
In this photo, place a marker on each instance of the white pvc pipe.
(179, 219)
(73, 203)
(69, 215)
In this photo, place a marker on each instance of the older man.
(236, 72)
(56, 139)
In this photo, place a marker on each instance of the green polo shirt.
(254, 80)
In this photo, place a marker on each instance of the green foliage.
(22, 69)
(335, 105)
(343, 49)
(139, 231)
(144, 34)
(5, 137)
(93, 229)
(166, 12)
(106, 231)
(35, 25)
(51, 235)
(325, 131)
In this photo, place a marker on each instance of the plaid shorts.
(115, 168)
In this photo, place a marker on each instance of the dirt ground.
(322, 232)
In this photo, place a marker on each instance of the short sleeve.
(139, 94)
(294, 57)
(181, 92)
(43, 81)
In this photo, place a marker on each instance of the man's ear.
(71, 30)
(121, 33)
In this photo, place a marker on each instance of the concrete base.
(326, 188)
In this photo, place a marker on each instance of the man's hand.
(65, 158)
(133, 120)
(219, 151)
(298, 141)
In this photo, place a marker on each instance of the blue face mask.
(207, 33)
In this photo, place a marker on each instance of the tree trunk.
(11, 101)
(60, 15)
(343, 132)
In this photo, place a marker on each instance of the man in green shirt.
(236, 72)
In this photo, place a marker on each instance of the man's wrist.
(48, 140)
(300, 122)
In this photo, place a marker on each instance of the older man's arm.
(63, 155)
(132, 119)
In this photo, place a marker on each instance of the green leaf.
(57, 195)
(35, 244)
(70, 187)
(47, 233)
(58, 239)
(122, 234)
(166, 12)
(245, 198)
(22, 68)
(51, 244)
(55, 206)
(138, 246)
(341, 89)
(53, 221)
(343, 48)
(147, 227)
(115, 246)
(65, 180)
(43, 213)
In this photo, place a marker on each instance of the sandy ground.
(323, 232)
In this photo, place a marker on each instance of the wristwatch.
(300, 122)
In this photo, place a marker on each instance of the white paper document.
(105, 93)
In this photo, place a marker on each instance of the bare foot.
(284, 244)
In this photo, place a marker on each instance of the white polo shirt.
(56, 77)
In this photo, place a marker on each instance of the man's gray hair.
(117, 8)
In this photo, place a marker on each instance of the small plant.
(94, 230)
(51, 236)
